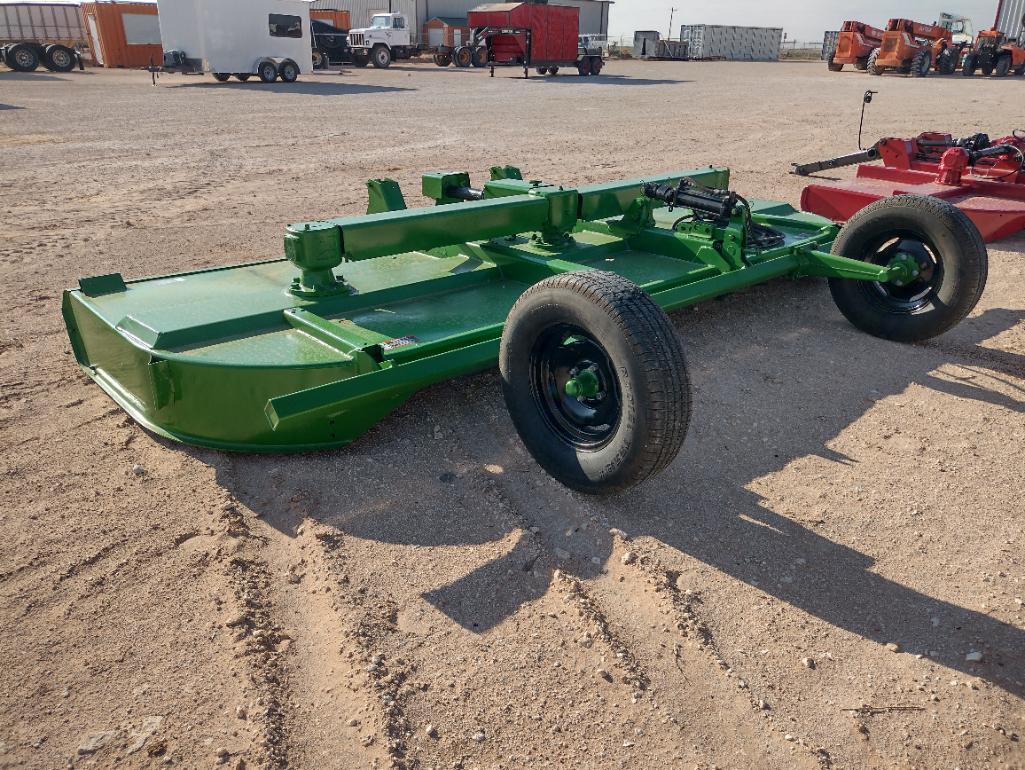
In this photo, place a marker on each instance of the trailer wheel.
(22, 58)
(596, 64)
(553, 70)
(267, 71)
(59, 58)
(584, 66)
(380, 56)
(242, 77)
(1003, 67)
(595, 380)
(463, 56)
(479, 57)
(871, 66)
(971, 64)
(921, 63)
(288, 71)
(832, 65)
(935, 238)
(221, 77)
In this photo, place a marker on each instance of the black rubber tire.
(1020, 71)
(596, 64)
(288, 71)
(380, 56)
(242, 77)
(221, 77)
(921, 64)
(541, 70)
(871, 66)
(479, 57)
(462, 56)
(267, 71)
(59, 58)
(442, 59)
(946, 62)
(833, 66)
(970, 66)
(1003, 68)
(987, 69)
(553, 70)
(22, 58)
(584, 67)
(952, 238)
(861, 65)
(644, 353)
(360, 60)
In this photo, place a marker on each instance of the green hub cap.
(583, 384)
(904, 269)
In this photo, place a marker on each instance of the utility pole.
(671, 12)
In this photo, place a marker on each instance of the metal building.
(594, 14)
(1011, 17)
(715, 41)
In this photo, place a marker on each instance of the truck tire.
(288, 71)
(832, 65)
(462, 56)
(59, 58)
(921, 63)
(595, 381)
(950, 256)
(584, 67)
(553, 70)
(242, 77)
(22, 58)
(871, 66)
(380, 56)
(971, 65)
(221, 77)
(1003, 68)
(596, 64)
(443, 59)
(267, 71)
(479, 57)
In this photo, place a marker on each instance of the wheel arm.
(825, 265)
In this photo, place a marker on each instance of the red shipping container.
(554, 30)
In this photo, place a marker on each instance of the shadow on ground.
(777, 387)
(300, 87)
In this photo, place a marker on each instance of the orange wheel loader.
(995, 54)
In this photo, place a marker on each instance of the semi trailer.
(40, 35)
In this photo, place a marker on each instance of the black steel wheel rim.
(563, 352)
(913, 294)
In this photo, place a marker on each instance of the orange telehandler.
(855, 43)
(995, 54)
(915, 49)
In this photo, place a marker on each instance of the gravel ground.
(829, 575)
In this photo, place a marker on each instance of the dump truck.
(854, 45)
(995, 54)
(915, 49)
(541, 36)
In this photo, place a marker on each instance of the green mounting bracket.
(385, 195)
(505, 172)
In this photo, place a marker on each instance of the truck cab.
(387, 38)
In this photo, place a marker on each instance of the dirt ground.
(804, 588)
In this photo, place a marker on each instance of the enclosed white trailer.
(267, 38)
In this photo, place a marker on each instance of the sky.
(800, 19)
